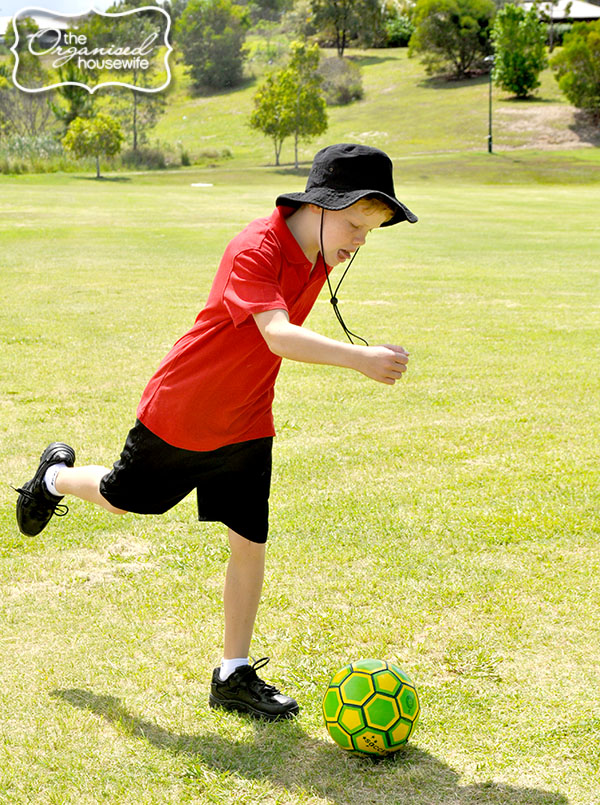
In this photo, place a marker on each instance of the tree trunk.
(135, 104)
(97, 167)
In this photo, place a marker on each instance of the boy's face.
(344, 231)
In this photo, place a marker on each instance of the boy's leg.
(84, 483)
(241, 597)
(242, 690)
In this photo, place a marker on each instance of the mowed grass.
(448, 523)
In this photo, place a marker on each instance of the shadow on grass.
(283, 754)
(289, 169)
(103, 178)
(365, 61)
(586, 127)
(450, 82)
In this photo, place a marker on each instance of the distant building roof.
(44, 21)
(567, 10)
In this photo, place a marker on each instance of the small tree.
(452, 33)
(519, 44)
(290, 101)
(100, 136)
(577, 67)
(304, 82)
(211, 34)
(272, 113)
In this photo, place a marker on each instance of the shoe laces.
(58, 509)
(255, 682)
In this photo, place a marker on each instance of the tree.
(290, 101)
(452, 33)
(343, 20)
(211, 34)
(271, 112)
(27, 114)
(76, 101)
(101, 136)
(269, 10)
(137, 110)
(309, 113)
(577, 67)
(519, 39)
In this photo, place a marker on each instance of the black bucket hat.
(343, 174)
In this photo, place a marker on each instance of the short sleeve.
(253, 286)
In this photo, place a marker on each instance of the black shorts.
(232, 483)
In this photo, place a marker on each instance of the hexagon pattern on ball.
(371, 707)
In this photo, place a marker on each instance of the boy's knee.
(245, 547)
(112, 509)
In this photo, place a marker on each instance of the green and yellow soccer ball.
(371, 707)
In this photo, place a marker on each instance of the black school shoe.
(245, 692)
(35, 505)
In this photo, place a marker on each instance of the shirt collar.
(290, 246)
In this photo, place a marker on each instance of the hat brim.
(334, 200)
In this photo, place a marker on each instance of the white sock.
(229, 666)
(50, 477)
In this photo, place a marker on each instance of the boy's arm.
(386, 364)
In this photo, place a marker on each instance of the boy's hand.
(386, 363)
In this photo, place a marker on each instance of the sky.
(10, 7)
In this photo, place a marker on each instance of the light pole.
(490, 60)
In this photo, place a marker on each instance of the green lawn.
(448, 523)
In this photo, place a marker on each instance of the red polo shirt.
(216, 385)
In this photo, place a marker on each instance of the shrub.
(40, 146)
(32, 154)
(342, 81)
(577, 67)
(398, 31)
(144, 157)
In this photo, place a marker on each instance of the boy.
(205, 419)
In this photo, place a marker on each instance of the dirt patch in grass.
(548, 126)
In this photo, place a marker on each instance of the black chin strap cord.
(333, 294)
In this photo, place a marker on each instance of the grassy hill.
(436, 127)
(403, 111)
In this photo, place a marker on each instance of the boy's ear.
(314, 208)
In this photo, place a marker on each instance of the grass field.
(449, 523)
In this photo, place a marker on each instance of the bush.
(40, 146)
(577, 67)
(144, 157)
(342, 81)
(32, 154)
(398, 31)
